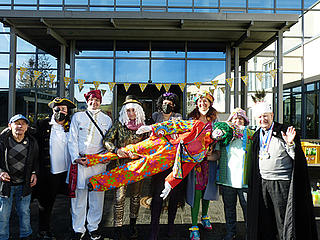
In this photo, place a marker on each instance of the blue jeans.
(229, 197)
(23, 211)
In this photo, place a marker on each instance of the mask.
(203, 112)
(167, 108)
(59, 116)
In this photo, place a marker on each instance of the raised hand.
(289, 136)
(144, 129)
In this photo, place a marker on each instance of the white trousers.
(80, 213)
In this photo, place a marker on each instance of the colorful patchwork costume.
(158, 153)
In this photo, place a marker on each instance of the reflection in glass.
(4, 42)
(88, 53)
(101, 2)
(51, 2)
(23, 59)
(232, 3)
(180, 9)
(24, 46)
(153, 3)
(206, 3)
(4, 61)
(132, 53)
(4, 76)
(312, 117)
(288, 3)
(168, 71)
(168, 54)
(76, 2)
(182, 3)
(94, 70)
(128, 2)
(310, 87)
(261, 4)
(132, 70)
(25, 2)
(5, 1)
(204, 71)
(221, 55)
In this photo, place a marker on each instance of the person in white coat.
(86, 134)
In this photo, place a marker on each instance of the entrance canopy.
(49, 29)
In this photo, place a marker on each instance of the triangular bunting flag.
(167, 86)
(111, 85)
(142, 86)
(158, 85)
(91, 89)
(80, 83)
(245, 79)
(126, 86)
(273, 73)
(22, 71)
(182, 86)
(33, 81)
(36, 74)
(215, 83)
(52, 77)
(103, 91)
(229, 81)
(222, 89)
(96, 84)
(198, 84)
(80, 88)
(260, 76)
(211, 90)
(66, 81)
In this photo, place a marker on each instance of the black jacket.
(299, 219)
(31, 163)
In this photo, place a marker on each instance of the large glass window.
(184, 3)
(288, 3)
(168, 71)
(261, 3)
(4, 60)
(231, 3)
(132, 70)
(4, 74)
(206, 3)
(204, 71)
(94, 70)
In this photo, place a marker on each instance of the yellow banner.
(198, 84)
(80, 83)
(96, 84)
(167, 86)
(245, 79)
(126, 86)
(80, 88)
(158, 85)
(222, 89)
(66, 81)
(182, 86)
(52, 77)
(111, 85)
(230, 81)
(273, 73)
(22, 71)
(36, 74)
(259, 76)
(142, 86)
(215, 83)
(103, 91)
(211, 90)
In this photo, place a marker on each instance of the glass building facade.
(165, 59)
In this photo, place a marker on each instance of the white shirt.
(85, 138)
(58, 142)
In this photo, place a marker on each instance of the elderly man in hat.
(279, 196)
(52, 135)
(234, 162)
(18, 174)
(87, 131)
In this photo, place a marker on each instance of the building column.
(12, 74)
(236, 77)
(61, 71)
(244, 87)
(228, 75)
(72, 69)
(279, 112)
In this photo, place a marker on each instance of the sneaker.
(194, 234)
(95, 235)
(205, 221)
(45, 235)
(77, 236)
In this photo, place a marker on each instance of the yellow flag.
(66, 81)
(215, 83)
(260, 76)
(245, 79)
(142, 86)
(36, 74)
(182, 86)
(211, 90)
(222, 89)
(96, 84)
(126, 86)
(80, 83)
(80, 88)
(111, 85)
(158, 85)
(198, 84)
(33, 80)
(22, 71)
(103, 91)
(52, 77)
(273, 73)
(229, 81)
(167, 86)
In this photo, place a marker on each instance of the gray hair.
(140, 116)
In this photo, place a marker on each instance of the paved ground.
(61, 222)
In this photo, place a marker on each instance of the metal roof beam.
(113, 23)
(245, 36)
(53, 33)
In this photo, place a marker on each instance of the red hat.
(93, 93)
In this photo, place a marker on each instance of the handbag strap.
(95, 123)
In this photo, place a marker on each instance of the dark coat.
(299, 219)
(31, 163)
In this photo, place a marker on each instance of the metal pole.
(228, 75)
(280, 77)
(62, 67)
(72, 69)
(12, 74)
(236, 77)
(244, 87)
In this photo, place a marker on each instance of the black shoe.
(95, 235)
(118, 234)
(77, 236)
(133, 231)
(45, 235)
